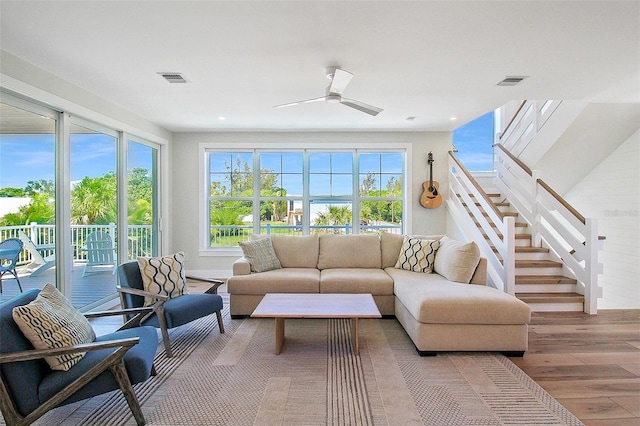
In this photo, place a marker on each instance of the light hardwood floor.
(589, 363)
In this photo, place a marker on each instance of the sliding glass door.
(27, 191)
(94, 213)
(142, 199)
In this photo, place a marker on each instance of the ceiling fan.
(339, 81)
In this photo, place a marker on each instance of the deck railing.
(229, 235)
(139, 238)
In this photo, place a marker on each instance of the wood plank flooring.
(589, 363)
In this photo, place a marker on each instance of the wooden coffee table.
(316, 305)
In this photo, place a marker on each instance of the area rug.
(236, 379)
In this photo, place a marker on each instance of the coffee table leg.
(279, 335)
(355, 336)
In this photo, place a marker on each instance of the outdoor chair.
(168, 313)
(29, 387)
(100, 251)
(9, 253)
(38, 263)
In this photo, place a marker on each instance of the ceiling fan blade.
(340, 80)
(300, 102)
(361, 106)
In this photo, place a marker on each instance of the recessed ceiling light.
(222, 118)
(453, 118)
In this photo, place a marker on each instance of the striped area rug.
(236, 379)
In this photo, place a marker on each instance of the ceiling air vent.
(173, 77)
(511, 81)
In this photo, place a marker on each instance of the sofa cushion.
(455, 260)
(285, 280)
(349, 251)
(432, 299)
(260, 254)
(352, 280)
(50, 321)
(390, 245)
(163, 275)
(417, 255)
(294, 251)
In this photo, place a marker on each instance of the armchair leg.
(220, 324)
(162, 321)
(120, 373)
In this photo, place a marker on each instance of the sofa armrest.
(480, 275)
(241, 267)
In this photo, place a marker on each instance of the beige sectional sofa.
(437, 313)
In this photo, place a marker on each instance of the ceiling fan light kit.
(339, 81)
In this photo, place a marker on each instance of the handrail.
(562, 201)
(477, 186)
(514, 117)
(515, 159)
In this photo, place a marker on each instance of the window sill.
(220, 252)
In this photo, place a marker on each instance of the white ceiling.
(428, 59)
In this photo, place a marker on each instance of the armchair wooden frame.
(158, 307)
(113, 362)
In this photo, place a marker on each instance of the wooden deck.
(98, 285)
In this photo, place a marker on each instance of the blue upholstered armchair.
(29, 387)
(168, 313)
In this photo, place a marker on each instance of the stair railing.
(526, 123)
(480, 220)
(554, 222)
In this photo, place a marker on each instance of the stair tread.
(518, 236)
(526, 249)
(544, 279)
(550, 297)
(537, 263)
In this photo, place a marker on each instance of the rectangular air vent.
(173, 77)
(511, 81)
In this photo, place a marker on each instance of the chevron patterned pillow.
(51, 321)
(163, 275)
(417, 255)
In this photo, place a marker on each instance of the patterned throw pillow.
(260, 254)
(417, 255)
(51, 321)
(163, 275)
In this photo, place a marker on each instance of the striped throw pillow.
(260, 254)
(417, 255)
(51, 321)
(163, 275)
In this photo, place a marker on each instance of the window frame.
(403, 148)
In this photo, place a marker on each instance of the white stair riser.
(546, 288)
(532, 256)
(556, 307)
(539, 271)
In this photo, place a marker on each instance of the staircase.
(538, 247)
(540, 280)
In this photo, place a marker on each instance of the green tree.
(334, 216)
(139, 197)
(11, 192)
(93, 200)
(41, 208)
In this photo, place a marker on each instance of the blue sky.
(474, 142)
(31, 157)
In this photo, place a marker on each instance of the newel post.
(509, 260)
(592, 268)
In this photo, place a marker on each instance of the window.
(301, 192)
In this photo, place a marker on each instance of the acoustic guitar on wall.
(430, 197)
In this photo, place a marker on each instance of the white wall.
(611, 194)
(186, 195)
